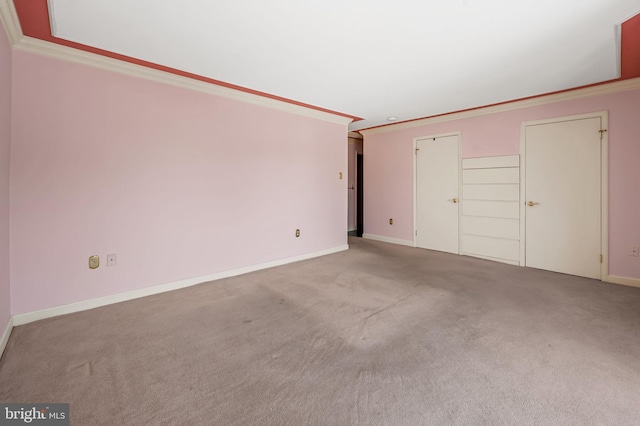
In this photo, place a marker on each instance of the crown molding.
(9, 18)
(57, 51)
(601, 89)
(19, 41)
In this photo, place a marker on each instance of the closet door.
(563, 196)
(437, 183)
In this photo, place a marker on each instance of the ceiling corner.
(9, 18)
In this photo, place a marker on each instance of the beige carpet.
(380, 334)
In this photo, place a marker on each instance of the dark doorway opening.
(360, 196)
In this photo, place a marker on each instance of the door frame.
(604, 184)
(415, 182)
(359, 194)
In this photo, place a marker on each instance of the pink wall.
(177, 183)
(5, 142)
(389, 167)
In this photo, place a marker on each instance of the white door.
(437, 174)
(562, 202)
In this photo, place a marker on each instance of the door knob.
(531, 203)
(453, 200)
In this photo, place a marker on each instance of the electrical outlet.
(297, 233)
(111, 259)
(635, 251)
(391, 221)
(94, 261)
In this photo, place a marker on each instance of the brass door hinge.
(600, 258)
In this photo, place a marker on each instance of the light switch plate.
(94, 261)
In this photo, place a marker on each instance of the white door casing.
(563, 198)
(436, 192)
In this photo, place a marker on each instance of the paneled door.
(562, 200)
(437, 199)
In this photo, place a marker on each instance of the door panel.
(492, 247)
(497, 192)
(503, 209)
(491, 227)
(563, 173)
(436, 186)
(506, 175)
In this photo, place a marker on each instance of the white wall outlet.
(635, 251)
(111, 260)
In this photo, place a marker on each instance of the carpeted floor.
(380, 334)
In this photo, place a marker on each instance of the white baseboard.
(388, 240)
(631, 282)
(135, 294)
(5, 336)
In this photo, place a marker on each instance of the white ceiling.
(368, 58)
